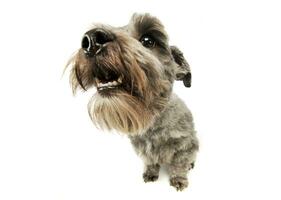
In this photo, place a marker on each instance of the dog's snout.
(94, 40)
(101, 37)
(86, 43)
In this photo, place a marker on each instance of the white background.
(49, 148)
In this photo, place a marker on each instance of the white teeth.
(114, 83)
(102, 86)
(119, 80)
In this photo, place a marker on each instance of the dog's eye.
(147, 41)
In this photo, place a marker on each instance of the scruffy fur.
(143, 106)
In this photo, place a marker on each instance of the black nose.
(86, 43)
(94, 40)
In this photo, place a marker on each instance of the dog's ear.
(183, 72)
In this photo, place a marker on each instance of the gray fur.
(157, 122)
(170, 141)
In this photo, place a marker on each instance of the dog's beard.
(121, 111)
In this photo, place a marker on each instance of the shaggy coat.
(133, 68)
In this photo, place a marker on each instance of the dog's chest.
(153, 147)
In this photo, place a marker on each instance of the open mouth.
(104, 84)
(106, 79)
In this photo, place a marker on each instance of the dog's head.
(133, 68)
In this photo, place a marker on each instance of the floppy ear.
(182, 72)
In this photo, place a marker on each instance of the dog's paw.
(191, 166)
(180, 183)
(147, 177)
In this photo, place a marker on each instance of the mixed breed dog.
(133, 68)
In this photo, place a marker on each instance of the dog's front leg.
(151, 172)
(178, 176)
(179, 167)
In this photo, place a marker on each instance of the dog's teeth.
(114, 83)
(102, 86)
(119, 80)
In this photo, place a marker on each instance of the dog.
(133, 68)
